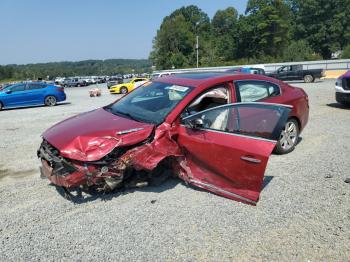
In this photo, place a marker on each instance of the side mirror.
(8, 91)
(196, 123)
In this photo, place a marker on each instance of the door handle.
(251, 159)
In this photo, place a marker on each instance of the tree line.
(81, 68)
(268, 31)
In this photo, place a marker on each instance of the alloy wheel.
(50, 101)
(123, 90)
(289, 136)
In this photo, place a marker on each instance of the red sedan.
(215, 131)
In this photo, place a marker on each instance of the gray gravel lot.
(303, 213)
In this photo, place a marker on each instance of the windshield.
(8, 87)
(150, 103)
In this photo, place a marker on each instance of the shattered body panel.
(106, 151)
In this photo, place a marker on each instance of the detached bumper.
(342, 97)
(72, 180)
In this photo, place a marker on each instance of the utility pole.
(197, 47)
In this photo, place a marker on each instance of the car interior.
(217, 96)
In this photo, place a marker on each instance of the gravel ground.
(303, 213)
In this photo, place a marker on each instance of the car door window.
(283, 69)
(18, 88)
(251, 91)
(273, 89)
(216, 96)
(35, 86)
(254, 120)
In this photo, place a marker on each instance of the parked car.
(59, 80)
(74, 82)
(215, 131)
(114, 80)
(247, 70)
(29, 94)
(127, 87)
(342, 89)
(296, 72)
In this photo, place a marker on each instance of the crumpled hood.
(92, 135)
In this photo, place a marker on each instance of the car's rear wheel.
(309, 78)
(289, 137)
(50, 101)
(123, 90)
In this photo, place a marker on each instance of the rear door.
(35, 92)
(227, 147)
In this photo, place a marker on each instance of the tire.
(50, 101)
(123, 90)
(288, 139)
(309, 78)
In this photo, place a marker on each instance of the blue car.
(29, 94)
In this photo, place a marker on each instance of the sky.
(39, 31)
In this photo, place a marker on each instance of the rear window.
(33, 86)
(252, 91)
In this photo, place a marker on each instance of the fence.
(341, 64)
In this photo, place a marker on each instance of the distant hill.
(86, 67)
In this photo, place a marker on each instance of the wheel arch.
(47, 95)
(296, 119)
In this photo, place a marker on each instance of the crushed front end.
(105, 174)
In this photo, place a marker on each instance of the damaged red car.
(215, 131)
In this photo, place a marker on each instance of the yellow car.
(127, 87)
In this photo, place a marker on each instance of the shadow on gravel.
(339, 106)
(266, 182)
(93, 196)
(299, 140)
(29, 107)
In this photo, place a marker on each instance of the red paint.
(92, 135)
(206, 159)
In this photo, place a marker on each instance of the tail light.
(60, 89)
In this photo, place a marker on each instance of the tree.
(174, 44)
(6, 72)
(224, 33)
(88, 67)
(268, 25)
(324, 24)
(299, 51)
(346, 52)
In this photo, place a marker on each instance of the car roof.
(210, 78)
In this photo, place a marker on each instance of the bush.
(299, 51)
(346, 52)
